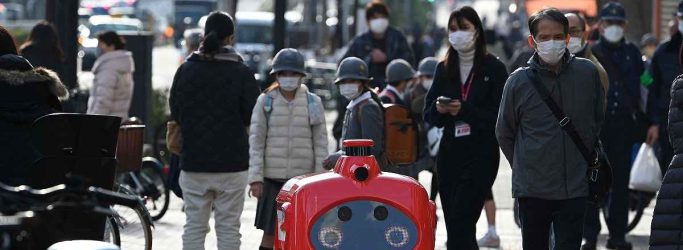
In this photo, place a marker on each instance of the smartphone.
(444, 100)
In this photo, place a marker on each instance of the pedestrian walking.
(416, 100)
(376, 47)
(26, 94)
(664, 68)
(625, 123)
(43, 49)
(464, 101)
(364, 117)
(112, 89)
(548, 170)
(212, 98)
(491, 238)
(667, 227)
(288, 138)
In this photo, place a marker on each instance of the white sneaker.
(489, 240)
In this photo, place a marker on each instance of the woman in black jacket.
(212, 98)
(25, 95)
(667, 222)
(468, 157)
(42, 48)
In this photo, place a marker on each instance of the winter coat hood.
(27, 93)
(226, 53)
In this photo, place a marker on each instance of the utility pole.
(280, 26)
(64, 15)
(230, 6)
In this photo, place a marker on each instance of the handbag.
(646, 176)
(174, 139)
(599, 173)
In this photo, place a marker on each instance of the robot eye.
(381, 213)
(397, 236)
(330, 237)
(344, 213)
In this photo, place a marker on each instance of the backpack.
(314, 110)
(400, 134)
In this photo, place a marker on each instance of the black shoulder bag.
(599, 174)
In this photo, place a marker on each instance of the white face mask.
(614, 33)
(427, 83)
(680, 26)
(461, 40)
(289, 83)
(349, 90)
(575, 45)
(379, 25)
(551, 51)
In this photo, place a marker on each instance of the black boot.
(589, 245)
(619, 244)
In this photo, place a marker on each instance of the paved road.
(168, 231)
(167, 234)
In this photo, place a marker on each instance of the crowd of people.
(541, 111)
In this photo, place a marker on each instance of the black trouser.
(618, 139)
(466, 171)
(565, 217)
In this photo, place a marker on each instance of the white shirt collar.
(361, 98)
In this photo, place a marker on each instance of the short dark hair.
(7, 43)
(376, 7)
(111, 38)
(551, 14)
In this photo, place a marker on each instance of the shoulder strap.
(268, 107)
(563, 120)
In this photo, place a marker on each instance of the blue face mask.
(99, 52)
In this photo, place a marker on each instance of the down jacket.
(667, 222)
(25, 95)
(286, 144)
(112, 90)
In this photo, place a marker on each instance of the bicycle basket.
(129, 148)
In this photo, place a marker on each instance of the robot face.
(364, 224)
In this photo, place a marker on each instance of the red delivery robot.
(355, 207)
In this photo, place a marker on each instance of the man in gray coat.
(548, 172)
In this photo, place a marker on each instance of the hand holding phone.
(442, 100)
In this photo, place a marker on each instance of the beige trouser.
(225, 192)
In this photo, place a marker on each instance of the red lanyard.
(465, 89)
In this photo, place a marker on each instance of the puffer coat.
(288, 141)
(667, 222)
(112, 90)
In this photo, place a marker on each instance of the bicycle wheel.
(155, 191)
(111, 231)
(134, 225)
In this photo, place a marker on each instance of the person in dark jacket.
(624, 123)
(379, 45)
(548, 171)
(468, 156)
(667, 222)
(364, 117)
(43, 49)
(664, 68)
(212, 98)
(26, 93)
(376, 47)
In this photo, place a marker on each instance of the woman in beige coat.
(288, 137)
(112, 90)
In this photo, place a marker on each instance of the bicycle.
(142, 177)
(28, 215)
